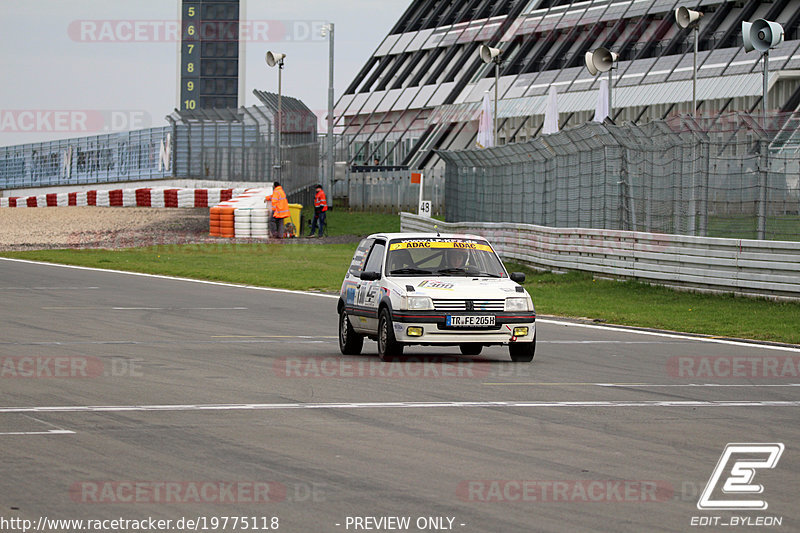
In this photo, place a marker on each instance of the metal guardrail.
(704, 264)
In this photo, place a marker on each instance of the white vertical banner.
(66, 162)
(165, 153)
(551, 113)
(486, 124)
(601, 109)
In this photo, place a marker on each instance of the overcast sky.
(50, 66)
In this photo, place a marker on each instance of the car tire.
(388, 347)
(522, 352)
(350, 342)
(472, 348)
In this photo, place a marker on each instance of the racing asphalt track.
(160, 383)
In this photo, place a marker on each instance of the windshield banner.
(466, 245)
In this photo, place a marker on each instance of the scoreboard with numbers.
(209, 57)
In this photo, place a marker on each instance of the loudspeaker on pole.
(761, 35)
(601, 60)
(489, 54)
(685, 17)
(273, 58)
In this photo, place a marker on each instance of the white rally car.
(451, 290)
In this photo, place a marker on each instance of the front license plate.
(470, 321)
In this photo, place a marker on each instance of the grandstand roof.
(426, 78)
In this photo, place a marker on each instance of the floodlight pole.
(280, 119)
(764, 90)
(496, 92)
(330, 112)
(764, 174)
(694, 71)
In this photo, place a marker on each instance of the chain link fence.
(726, 176)
(129, 156)
(223, 151)
(221, 145)
(391, 191)
(300, 167)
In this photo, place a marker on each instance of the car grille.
(494, 306)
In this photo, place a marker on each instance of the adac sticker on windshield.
(433, 284)
(467, 245)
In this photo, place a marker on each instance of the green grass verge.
(285, 266)
(638, 304)
(343, 222)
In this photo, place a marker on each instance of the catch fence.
(391, 191)
(724, 176)
(228, 145)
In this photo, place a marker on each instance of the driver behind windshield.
(454, 258)
(400, 259)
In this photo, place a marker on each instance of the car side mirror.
(370, 276)
(519, 277)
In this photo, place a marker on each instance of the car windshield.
(443, 257)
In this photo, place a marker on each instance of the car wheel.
(522, 352)
(350, 342)
(388, 347)
(472, 348)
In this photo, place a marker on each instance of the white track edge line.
(689, 337)
(171, 278)
(396, 405)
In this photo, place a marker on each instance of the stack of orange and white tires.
(243, 216)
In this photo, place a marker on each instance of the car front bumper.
(434, 330)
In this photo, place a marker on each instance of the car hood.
(459, 287)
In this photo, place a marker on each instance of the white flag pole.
(421, 185)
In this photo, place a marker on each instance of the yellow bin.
(294, 217)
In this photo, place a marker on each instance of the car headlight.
(517, 304)
(419, 303)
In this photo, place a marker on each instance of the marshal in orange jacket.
(280, 205)
(320, 201)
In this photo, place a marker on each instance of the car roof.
(429, 235)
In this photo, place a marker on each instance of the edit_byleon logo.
(739, 462)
